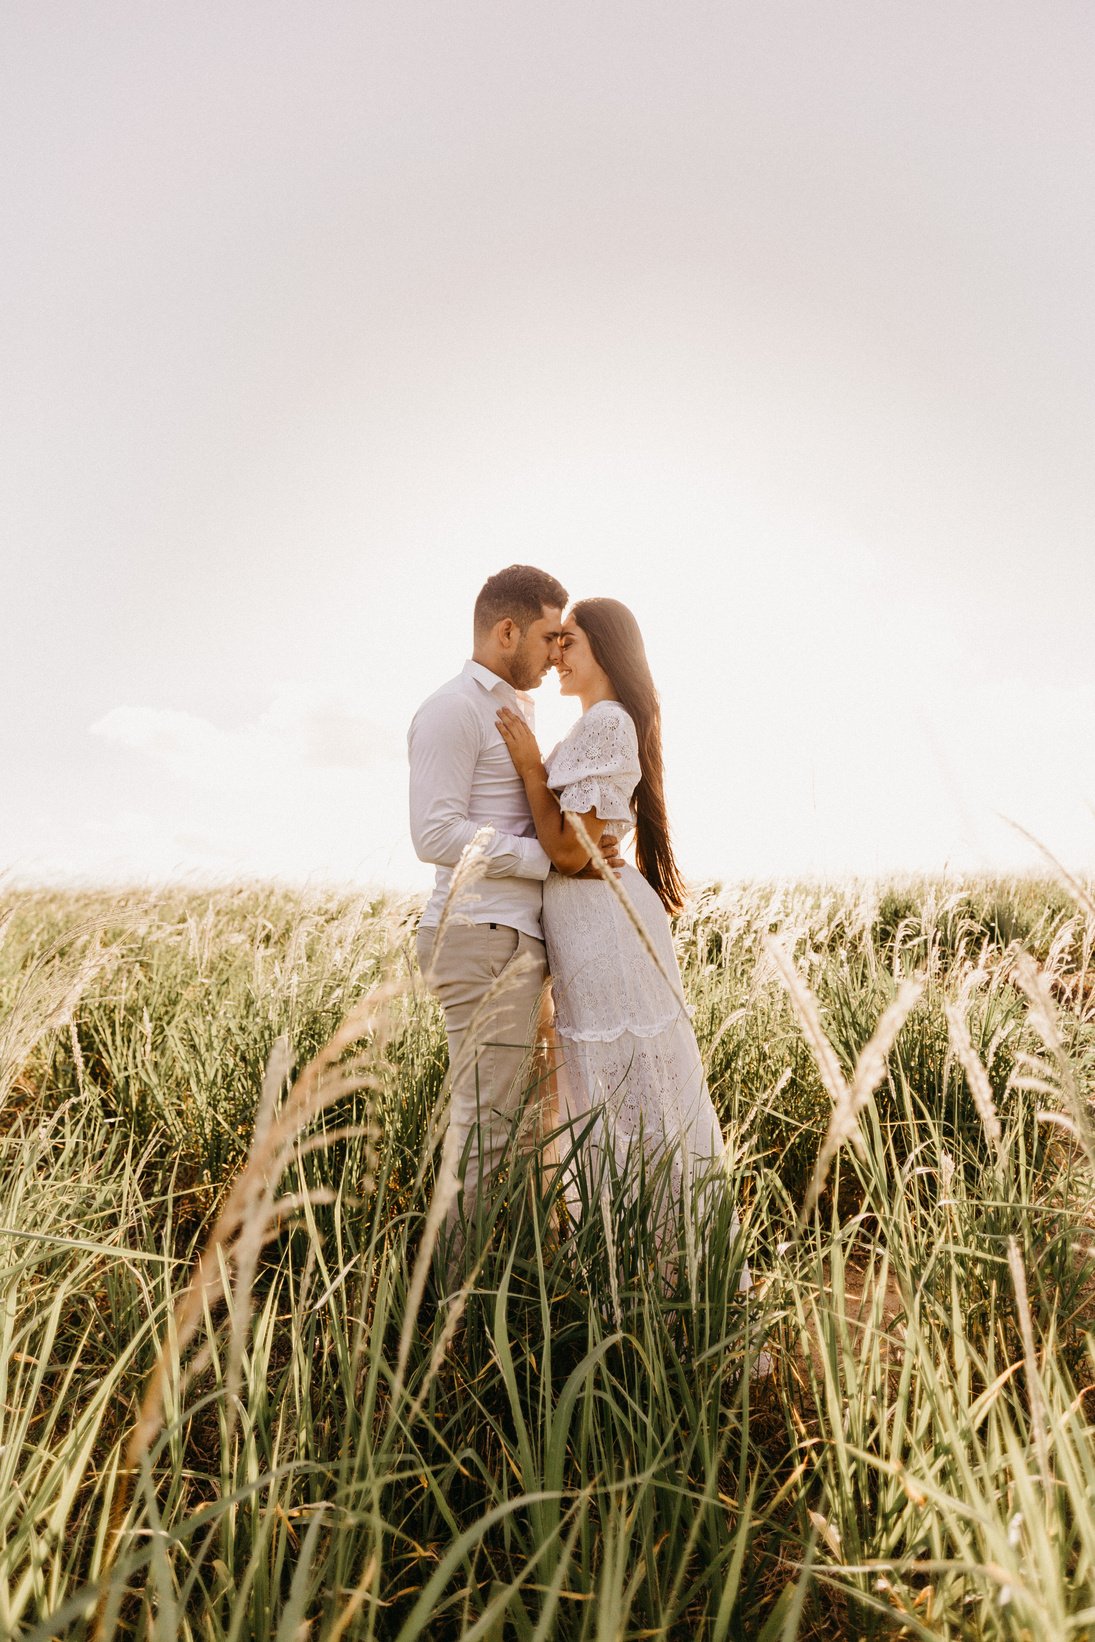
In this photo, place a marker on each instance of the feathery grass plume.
(77, 1057)
(1068, 879)
(251, 1216)
(848, 1099)
(730, 1020)
(976, 1077)
(1034, 1384)
(1058, 1120)
(870, 1067)
(471, 867)
(606, 872)
(810, 1019)
(1058, 958)
(46, 998)
(1043, 1016)
(537, 1121)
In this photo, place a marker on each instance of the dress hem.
(654, 1030)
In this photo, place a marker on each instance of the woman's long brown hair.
(618, 648)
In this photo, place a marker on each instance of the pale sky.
(773, 320)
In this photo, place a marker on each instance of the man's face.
(536, 651)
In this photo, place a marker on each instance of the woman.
(630, 1070)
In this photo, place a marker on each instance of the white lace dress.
(629, 1066)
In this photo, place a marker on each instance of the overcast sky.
(773, 320)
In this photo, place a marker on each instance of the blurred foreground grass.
(580, 1453)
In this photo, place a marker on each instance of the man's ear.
(507, 633)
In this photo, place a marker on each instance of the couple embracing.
(627, 1068)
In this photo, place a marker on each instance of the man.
(462, 779)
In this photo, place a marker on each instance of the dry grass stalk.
(362, 1592)
(606, 872)
(45, 1001)
(251, 1216)
(809, 1016)
(1068, 879)
(870, 1067)
(1034, 1384)
(610, 1243)
(77, 1057)
(849, 1100)
(1043, 1016)
(976, 1077)
(471, 867)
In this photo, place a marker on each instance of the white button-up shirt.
(462, 778)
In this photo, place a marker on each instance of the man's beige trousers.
(492, 1040)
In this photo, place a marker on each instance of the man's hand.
(610, 849)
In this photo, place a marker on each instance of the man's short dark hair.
(519, 592)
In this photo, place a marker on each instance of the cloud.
(302, 730)
(311, 789)
(327, 732)
(184, 744)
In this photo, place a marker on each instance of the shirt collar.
(520, 699)
(490, 681)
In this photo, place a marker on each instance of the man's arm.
(443, 746)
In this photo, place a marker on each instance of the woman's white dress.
(630, 1072)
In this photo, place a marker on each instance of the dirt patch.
(873, 1312)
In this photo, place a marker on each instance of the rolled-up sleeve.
(443, 745)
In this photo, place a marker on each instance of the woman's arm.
(557, 838)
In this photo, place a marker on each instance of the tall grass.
(210, 1437)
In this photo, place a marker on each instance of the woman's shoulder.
(606, 731)
(610, 721)
(607, 713)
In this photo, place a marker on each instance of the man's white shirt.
(462, 778)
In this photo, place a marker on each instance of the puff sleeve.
(597, 766)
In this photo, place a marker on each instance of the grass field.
(570, 1449)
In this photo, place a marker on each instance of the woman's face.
(579, 671)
